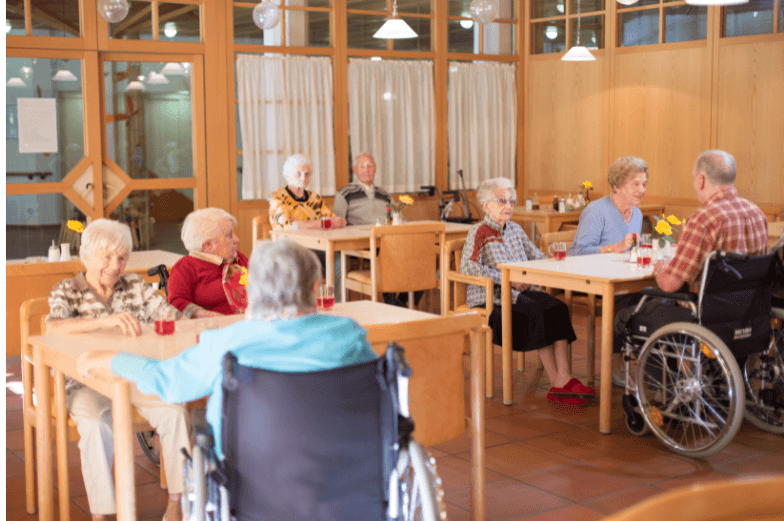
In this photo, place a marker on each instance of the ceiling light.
(466, 24)
(395, 27)
(156, 78)
(113, 11)
(135, 85)
(25, 72)
(173, 68)
(551, 32)
(266, 15)
(15, 82)
(716, 2)
(578, 53)
(8, 26)
(560, 8)
(483, 11)
(170, 29)
(628, 2)
(375, 59)
(64, 75)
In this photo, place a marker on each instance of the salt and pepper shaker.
(634, 251)
(65, 251)
(562, 205)
(54, 253)
(555, 203)
(569, 200)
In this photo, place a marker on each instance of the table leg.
(477, 425)
(343, 273)
(43, 437)
(61, 437)
(444, 267)
(330, 263)
(125, 482)
(605, 400)
(506, 330)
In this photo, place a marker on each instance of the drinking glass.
(164, 327)
(326, 297)
(558, 250)
(646, 254)
(326, 223)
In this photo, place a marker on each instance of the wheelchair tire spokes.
(764, 375)
(689, 389)
(421, 496)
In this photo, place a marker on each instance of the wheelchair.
(692, 381)
(334, 444)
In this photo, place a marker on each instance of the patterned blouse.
(285, 208)
(488, 245)
(73, 298)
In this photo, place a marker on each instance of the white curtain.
(392, 117)
(285, 108)
(482, 122)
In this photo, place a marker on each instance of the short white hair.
(487, 188)
(281, 277)
(202, 225)
(356, 158)
(105, 234)
(292, 164)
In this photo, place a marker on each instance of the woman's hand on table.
(619, 247)
(206, 313)
(338, 222)
(95, 363)
(126, 322)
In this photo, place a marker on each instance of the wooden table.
(600, 274)
(357, 237)
(26, 281)
(775, 231)
(416, 331)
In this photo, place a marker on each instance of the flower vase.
(659, 245)
(668, 252)
(397, 218)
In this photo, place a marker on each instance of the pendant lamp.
(395, 27)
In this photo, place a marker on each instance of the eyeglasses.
(503, 201)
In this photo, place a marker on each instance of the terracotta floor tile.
(514, 459)
(14, 420)
(702, 476)
(456, 473)
(583, 443)
(14, 440)
(765, 464)
(463, 442)
(570, 513)
(455, 513)
(613, 503)
(736, 451)
(14, 466)
(756, 438)
(648, 464)
(578, 482)
(510, 499)
(525, 425)
(150, 501)
(13, 403)
(434, 452)
(15, 493)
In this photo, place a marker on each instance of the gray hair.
(105, 234)
(356, 158)
(624, 168)
(202, 225)
(717, 166)
(281, 276)
(487, 188)
(293, 163)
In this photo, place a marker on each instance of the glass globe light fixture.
(483, 11)
(8, 26)
(170, 29)
(113, 11)
(266, 15)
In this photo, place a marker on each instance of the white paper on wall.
(37, 125)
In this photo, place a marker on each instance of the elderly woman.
(293, 205)
(105, 297)
(282, 332)
(539, 322)
(609, 224)
(210, 280)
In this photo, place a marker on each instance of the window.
(550, 23)
(639, 24)
(752, 18)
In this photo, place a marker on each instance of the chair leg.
(410, 300)
(591, 353)
(521, 361)
(569, 355)
(61, 440)
(29, 457)
(164, 484)
(489, 370)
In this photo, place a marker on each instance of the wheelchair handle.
(163, 275)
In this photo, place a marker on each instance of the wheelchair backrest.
(314, 445)
(734, 300)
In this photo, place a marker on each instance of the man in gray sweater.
(360, 202)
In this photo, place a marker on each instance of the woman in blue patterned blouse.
(539, 321)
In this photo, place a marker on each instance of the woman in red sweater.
(211, 280)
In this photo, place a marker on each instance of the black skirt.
(538, 320)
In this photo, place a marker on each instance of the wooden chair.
(262, 230)
(403, 258)
(731, 500)
(455, 289)
(33, 313)
(773, 213)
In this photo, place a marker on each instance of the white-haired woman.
(210, 280)
(105, 297)
(295, 206)
(539, 321)
(282, 332)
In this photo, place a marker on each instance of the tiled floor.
(544, 462)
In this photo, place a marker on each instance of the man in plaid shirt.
(724, 221)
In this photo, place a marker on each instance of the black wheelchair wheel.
(690, 389)
(150, 446)
(764, 375)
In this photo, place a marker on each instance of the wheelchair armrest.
(202, 430)
(687, 296)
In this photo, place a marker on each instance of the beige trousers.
(92, 413)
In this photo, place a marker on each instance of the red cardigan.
(197, 281)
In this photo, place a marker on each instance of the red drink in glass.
(326, 224)
(559, 255)
(646, 253)
(164, 327)
(325, 303)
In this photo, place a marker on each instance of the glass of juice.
(326, 297)
(326, 223)
(164, 327)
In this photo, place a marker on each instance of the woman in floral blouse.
(539, 322)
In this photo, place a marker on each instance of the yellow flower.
(663, 227)
(405, 199)
(673, 220)
(587, 184)
(244, 276)
(76, 226)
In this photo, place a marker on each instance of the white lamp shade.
(173, 68)
(395, 28)
(64, 75)
(135, 85)
(578, 53)
(628, 2)
(15, 82)
(156, 78)
(716, 2)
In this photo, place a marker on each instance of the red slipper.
(573, 386)
(566, 400)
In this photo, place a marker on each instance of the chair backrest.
(261, 229)
(406, 257)
(565, 236)
(314, 445)
(456, 293)
(734, 301)
(773, 213)
(32, 315)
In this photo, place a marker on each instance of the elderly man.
(360, 202)
(724, 221)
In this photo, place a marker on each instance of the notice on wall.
(37, 125)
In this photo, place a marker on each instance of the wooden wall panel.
(565, 125)
(662, 114)
(751, 117)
